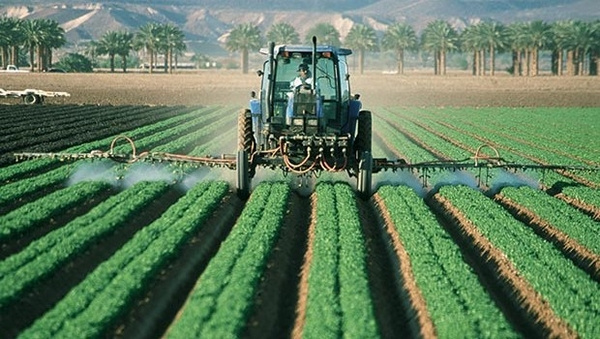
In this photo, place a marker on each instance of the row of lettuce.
(338, 300)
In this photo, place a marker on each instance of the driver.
(303, 80)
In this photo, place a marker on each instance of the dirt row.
(207, 87)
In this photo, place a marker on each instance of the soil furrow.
(274, 310)
(385, 271)
(525, 305)
(35, 303)
(579, 254)
(165, 295)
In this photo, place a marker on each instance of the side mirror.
(259, 73)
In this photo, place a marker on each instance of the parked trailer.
(32, 96)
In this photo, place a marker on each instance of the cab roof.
(307, 49)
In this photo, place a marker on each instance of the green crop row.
(458, 304)
(401, 143)
(464, 134)
(504, 134)
(224, 295)
(570, 292)
(22, 168)
(576, 225)
(226, 118)
(28, 216)
(50, 252)
(12, 191)
(54, 177)
(338, 302)
(91, 307)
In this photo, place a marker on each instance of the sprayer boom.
(482, 165)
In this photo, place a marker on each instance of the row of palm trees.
(572, 40)
(576, 42)
(39, 37)
(153, 38)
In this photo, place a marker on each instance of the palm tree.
(171, 42)
(361, 38)
(440, 38)
(91, 50)
(471, 41)
(400, 37)
(595, 50)
(493, 36)
(110, 44)
(517, 41)
(31, 30)
(584, 40)
(536, 37)
(560, 41)
(53, 36)
(124, 47)
(147, 38)
(283, 33)
(10, 40)
(244, 37)
(326, 35)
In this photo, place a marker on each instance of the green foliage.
(458, 304)
(283, 33)
(224, 295)
(571, 293)
(50, 252)
(339, 302)
(326, 34)
(107, 292)
(74, 62)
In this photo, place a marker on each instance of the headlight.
(312, 122)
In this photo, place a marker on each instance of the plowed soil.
(233, 87)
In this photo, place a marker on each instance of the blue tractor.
(305, 126)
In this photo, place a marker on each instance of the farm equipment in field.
(32, 96)
(309, 126)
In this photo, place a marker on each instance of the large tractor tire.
(365, 173)
(243, 175)
(245, 171)
(245, 134)
(362, 142)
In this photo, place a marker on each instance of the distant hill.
(206, 21)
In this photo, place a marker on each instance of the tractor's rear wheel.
(365, 173)
(245, 171)
(243, 175)
(245, 134)
(362, 142)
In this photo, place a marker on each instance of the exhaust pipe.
(270, 103)
(314, 63)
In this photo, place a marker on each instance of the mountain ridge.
(208, 21)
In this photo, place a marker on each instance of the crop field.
(105, 249)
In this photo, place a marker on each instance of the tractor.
(305, 128)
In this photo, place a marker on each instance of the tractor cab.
(312, 102)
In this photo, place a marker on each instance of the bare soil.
(206, 87)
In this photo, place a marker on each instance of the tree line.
(41, 36)
(574, 45)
